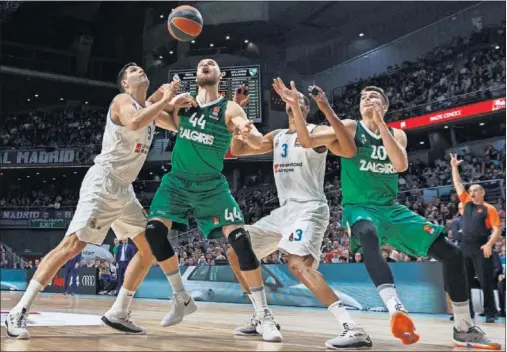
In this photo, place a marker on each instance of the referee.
(480, 220)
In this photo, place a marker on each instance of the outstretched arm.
(344, 145)
(236, 117)
(127, 115)
(321, 136)
(239, 147)
(456, 178)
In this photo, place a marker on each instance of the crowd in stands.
(464, 71)
(257, 197)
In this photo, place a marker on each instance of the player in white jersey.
(107, 199)
(298, 226)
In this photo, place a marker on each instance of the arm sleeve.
(493, 218)
(464, 198)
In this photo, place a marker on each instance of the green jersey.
(202, 141)
(369, 177)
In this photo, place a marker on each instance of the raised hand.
(320, 98)
(289, 96)
(241, 96)
(454, 160)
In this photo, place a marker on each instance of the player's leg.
(47, 269)
(402, 326)
(215, 211)
(466, 334)
(130, 225)
(170, 203)
(470, 273)
(89, 225)
(265, 238)
(416, 236)
(303, 232)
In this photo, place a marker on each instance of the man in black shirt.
(481, 230)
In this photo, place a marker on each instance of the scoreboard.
(232, 78)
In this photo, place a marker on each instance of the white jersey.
(123, 151)
(299, 172)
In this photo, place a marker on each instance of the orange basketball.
(185, 23)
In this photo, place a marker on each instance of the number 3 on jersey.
(194, 121)
(285, 146)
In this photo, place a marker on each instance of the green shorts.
(210, 200)
(396, 225)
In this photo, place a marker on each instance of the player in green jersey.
(195, 183)
(373, 216)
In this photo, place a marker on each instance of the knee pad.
(366, 232)
(240, 242)
(156, 235)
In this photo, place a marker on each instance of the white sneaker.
(350, 338)
(267, 326)
(183, 304)
(16, 325)
(250, 328)
(121, 321)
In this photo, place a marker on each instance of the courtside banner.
(420, 286)
(459, 112)
(35, 218)
(81, 281)
(46, 157)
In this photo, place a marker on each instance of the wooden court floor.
(209, 329)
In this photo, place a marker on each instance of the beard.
(207, 80)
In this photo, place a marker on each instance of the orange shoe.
(403, 328)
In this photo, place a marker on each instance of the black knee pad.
(366, 232)
(156, 235)
(240, 242)
(444, 251)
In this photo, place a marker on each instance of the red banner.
(459, 112)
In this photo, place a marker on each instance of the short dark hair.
(121, 75)
(378, 90)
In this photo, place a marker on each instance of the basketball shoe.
(16, 325)
(250, 329)
(121, 321)
(475, 338)
(350, 338)
(267, 327)
(183, 304)
(403, 328)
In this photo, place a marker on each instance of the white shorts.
(105, 203)
(295, 228)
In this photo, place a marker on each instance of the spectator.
(124, 255)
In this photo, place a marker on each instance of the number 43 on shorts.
(296, 236)
(232, 215)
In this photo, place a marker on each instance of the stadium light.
(211, 45)
(361, 34)
(246, 41)
(171, 52)
(193, 42)
(446, 127)
(160, 57)
(481, 124)
(36, 95)
(421, 142)
(227, 37)
(497, 47)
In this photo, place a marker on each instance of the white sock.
(462, 319)
(175, 281)
(341, 314)
(252, 300)
(259, 298)
(390, 297)
(123, 300)
(32, 292)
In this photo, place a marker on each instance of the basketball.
(185, 23)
